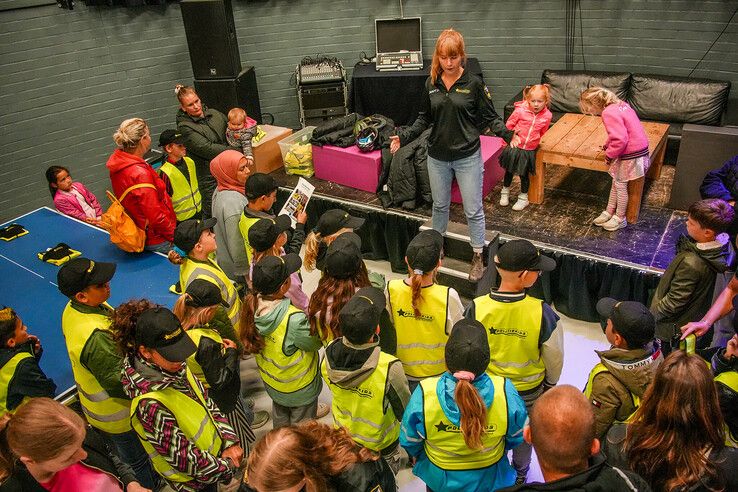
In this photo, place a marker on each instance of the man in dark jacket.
(723, 183)
(203, 133)
(685, 291)
(561, 430)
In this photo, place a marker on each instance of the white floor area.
(580, 341)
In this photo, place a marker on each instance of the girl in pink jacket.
(529, 121)
(626, 150)
(72, 198)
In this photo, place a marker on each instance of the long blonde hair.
(449, 43)
(191, 316)
(595, 99)
(130, 133)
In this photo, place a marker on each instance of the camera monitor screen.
(396, 35)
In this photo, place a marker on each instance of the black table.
(395, 94)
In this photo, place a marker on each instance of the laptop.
(398, 44)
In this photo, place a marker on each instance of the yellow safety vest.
(186, 198)
(102, 411)
(599, 369)
(444, 445)
(513, 331)
(193, 419)
(7, 372)
(244, 224)
(729, 379)
(196, 334)
(421, 340)
(363, 410)
(285, 373)
(328, 334)
(210, 271)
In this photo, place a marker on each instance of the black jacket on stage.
(408, 185)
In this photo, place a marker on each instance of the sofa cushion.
(678, 99)
(567, 85)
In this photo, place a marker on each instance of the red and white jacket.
(529, 126)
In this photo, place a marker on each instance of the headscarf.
(224, 167)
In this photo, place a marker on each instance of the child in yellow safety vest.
(725, 368)
(194, 245)
(423, 311)
(278, 334)
(21, 377)
(370, 391)
(617, 383)
(526, 344)
(178, 173)
(459, 426)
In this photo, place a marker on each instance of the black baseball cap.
(203, 293)
(424, 251)
(188, 232)
(270, 272)
(170, 136)
(359, 317)
(467, 348)
(259, 184)
(631, 319)
(343, 257)
(519, 255)
(77, 274)
(334, 220)
(264, 233)
(159, 329)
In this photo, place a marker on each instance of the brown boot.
(477, 268)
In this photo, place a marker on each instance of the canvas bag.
(124, 232)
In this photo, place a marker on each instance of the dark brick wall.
(68, 78)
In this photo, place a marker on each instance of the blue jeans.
(131, 452)
(469, 173)
(159, 248)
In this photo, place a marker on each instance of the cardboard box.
(491, 150)
(349, 166)
(267, 154)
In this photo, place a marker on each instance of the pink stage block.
(491, 150)
(348, 166)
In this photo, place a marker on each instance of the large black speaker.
(225, 94)
(211, 38)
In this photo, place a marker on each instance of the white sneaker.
(521, 202)
(602, 218)
(323, 410)
(505, 197)
(614, 223)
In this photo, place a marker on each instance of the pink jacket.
(68, 204)
(626, 138)
(529, 126)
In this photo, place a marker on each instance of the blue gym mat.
(28, 285)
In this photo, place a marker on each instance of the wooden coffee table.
(576, 141)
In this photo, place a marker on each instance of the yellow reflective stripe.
(285, 367)
(442, 451)
(421, 345)
(288, 380)
(101, 395)
(422, 362)
(201, 429)
(368, 422)
(516, 365)
(119, 415)
(528, 379)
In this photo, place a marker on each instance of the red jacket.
(529, 126)
(151, 209)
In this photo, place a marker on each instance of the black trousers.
(524, 181)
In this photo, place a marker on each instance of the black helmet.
(366, 138)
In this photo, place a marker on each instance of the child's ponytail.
(416, 287)
(473, 412)
(123, 324)
(312, 244)
(253, 343)
(51, 174)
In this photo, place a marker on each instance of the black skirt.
(518, 161)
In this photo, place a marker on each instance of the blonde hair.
(236, 116)
(595, 99)
(191, 316)
(40, 429)
(181, 91)
(312, 246)
(449, 43)
(530, 89)
(130, 133)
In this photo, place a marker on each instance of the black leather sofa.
(660, 98)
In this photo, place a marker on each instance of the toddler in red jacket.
(529, 121)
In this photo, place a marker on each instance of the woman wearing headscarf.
(230, 170)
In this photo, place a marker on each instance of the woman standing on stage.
(459, 106)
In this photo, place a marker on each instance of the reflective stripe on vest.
(285, 373)
(363, 410)
(102, 411)
(513, 331)
(7, 372)
(730, 380)
(196, 334)
(599, 369)
(186, 198)
(421, 340)
(210, 271)
(193, 419)
(444, 443)
(244, 224)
